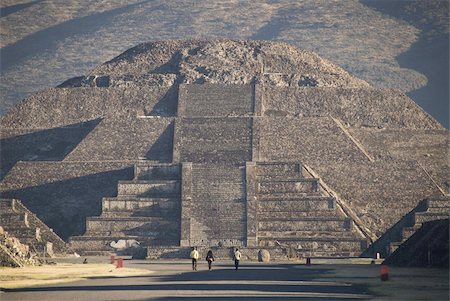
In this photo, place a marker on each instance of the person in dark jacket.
(209, 259)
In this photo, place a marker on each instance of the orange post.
(119, 262)
(112, 259)
(384, 273)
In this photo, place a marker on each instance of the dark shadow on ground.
(243, 280)
(5, 11)
(45, 145)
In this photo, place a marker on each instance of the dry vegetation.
(51, 274)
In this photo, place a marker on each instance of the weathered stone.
(263, 256)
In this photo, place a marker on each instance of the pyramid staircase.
(435, 208)
(146, 209)
(21, 223)
(293, 212)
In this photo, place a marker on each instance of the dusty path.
(273, 281)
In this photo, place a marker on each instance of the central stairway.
(146, 209)
(296, 214)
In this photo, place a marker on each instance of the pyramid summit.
(223, 143)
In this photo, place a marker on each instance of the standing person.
(237, 257)
(209, 259)
(194, 256)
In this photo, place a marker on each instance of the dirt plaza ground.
(175, 280)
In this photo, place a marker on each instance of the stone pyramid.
(224, 143)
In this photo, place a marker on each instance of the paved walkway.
(283, 281)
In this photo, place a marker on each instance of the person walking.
(237, 258)
(194, 257)
(209, 259)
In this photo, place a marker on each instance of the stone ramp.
(218, 204)
(216, 100)
(146, 209)
(213, 140)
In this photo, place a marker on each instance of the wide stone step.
(408, 232)
(157, 172)
(299, 224)
(270, 215)
(102, 243)
(22, 232)
(422, 217)
(6, 204)
(13, 217)
(277, 187)
(281, 170)
(343, 234)
(318, 244)
(438, 205)
(154, 213)
(140, 226)
(438, 201)
(296, 204)
(133, 204)
(168, 189)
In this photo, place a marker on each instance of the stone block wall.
(215, 100)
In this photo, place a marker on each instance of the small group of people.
(210, 258)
